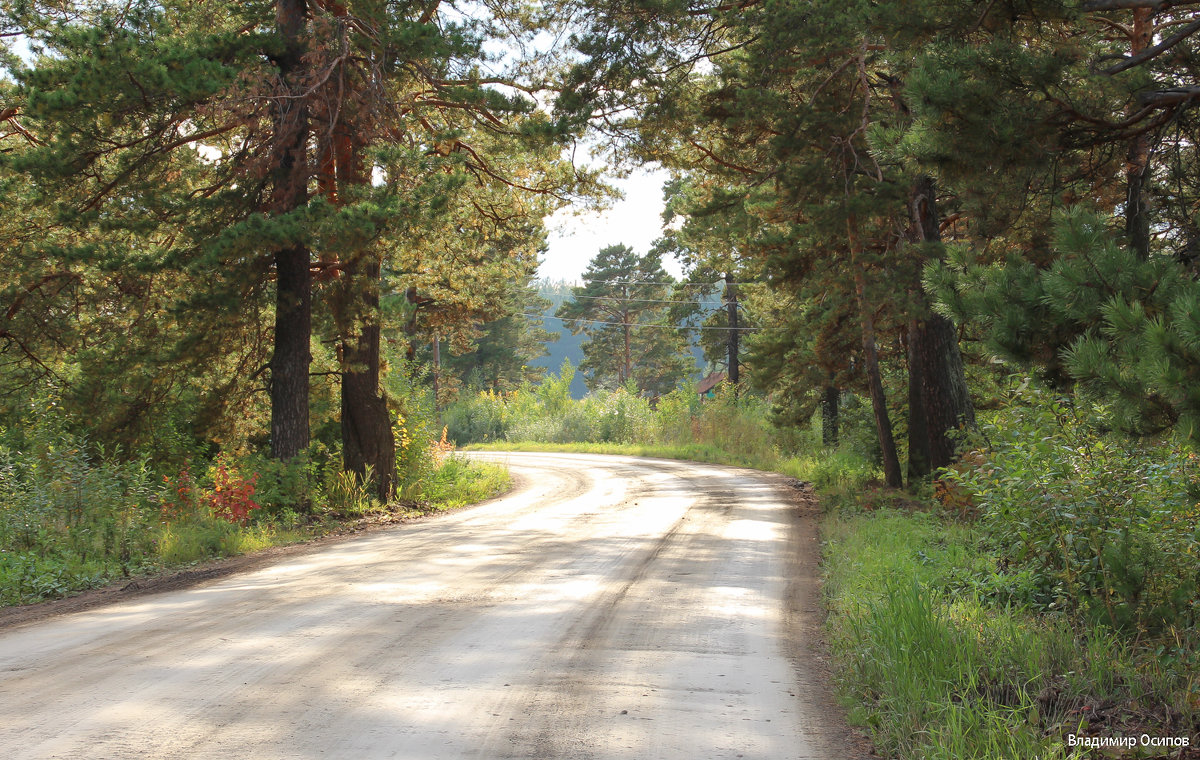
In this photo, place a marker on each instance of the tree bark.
(293, 295)
(829, 416)
(939, 401)
(368, 442)
(883, 423)
(1137, 157)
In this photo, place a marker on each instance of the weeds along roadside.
(1045, 597)
(75, 517)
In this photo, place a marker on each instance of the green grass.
(459, 482)
(693, 452)
(184, 543)
(927, 673)
(835, 472)
(932, 669)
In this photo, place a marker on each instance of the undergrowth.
(934, 670)
(75, 517)
(1051, 597)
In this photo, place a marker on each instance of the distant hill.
(569, 346)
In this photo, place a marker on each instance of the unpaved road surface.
(609, 607)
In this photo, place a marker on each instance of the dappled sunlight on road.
(610, 608)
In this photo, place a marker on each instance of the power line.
(634, 300)
(637, 324)
(684, 283)
(650, 282)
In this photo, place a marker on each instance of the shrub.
(232, 493)
(673, 417)
(70, 512)
(736, 423)
(286, 487)
(479, 418)
(1089, 521)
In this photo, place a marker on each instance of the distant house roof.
(710, 382)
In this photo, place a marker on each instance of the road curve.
(609, 607)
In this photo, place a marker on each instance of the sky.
(635, 221)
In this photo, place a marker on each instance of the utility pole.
(732, 304)
(437, 371)
(627, 370)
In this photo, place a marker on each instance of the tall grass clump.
(71, 516)
(933, 667)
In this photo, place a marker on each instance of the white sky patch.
(635, 221)
(19, 45)
(208, 153)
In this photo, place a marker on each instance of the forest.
(265, 264)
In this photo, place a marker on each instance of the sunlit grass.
(829, 469)
(458, 482)
(933, 670)
(48, 566)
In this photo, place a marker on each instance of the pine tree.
(798, 99)
(303, 105)
(621, 308)
(117, 198)
(1122, 327)
(504, 348)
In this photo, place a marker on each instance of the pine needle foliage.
(1121, 327)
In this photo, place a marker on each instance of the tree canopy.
(209, 204)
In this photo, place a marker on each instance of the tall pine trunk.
(733, 360)
(1137, 155)
(367, 438)
(368, 443)
(829, 415)
(939, 402)
(293, 299)
(883, 423)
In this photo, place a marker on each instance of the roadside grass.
(837, 473)
(458, 482)
(926, 673)
(932, 667)
(63, 532)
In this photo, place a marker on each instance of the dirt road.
(609, 607)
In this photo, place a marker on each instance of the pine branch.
(1156, 50)
(738, 6)
(9, 116)
(1170, 97)
(29, 354)
(1120, 5)
(108, 188)
(720, 161)
(19, 301)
